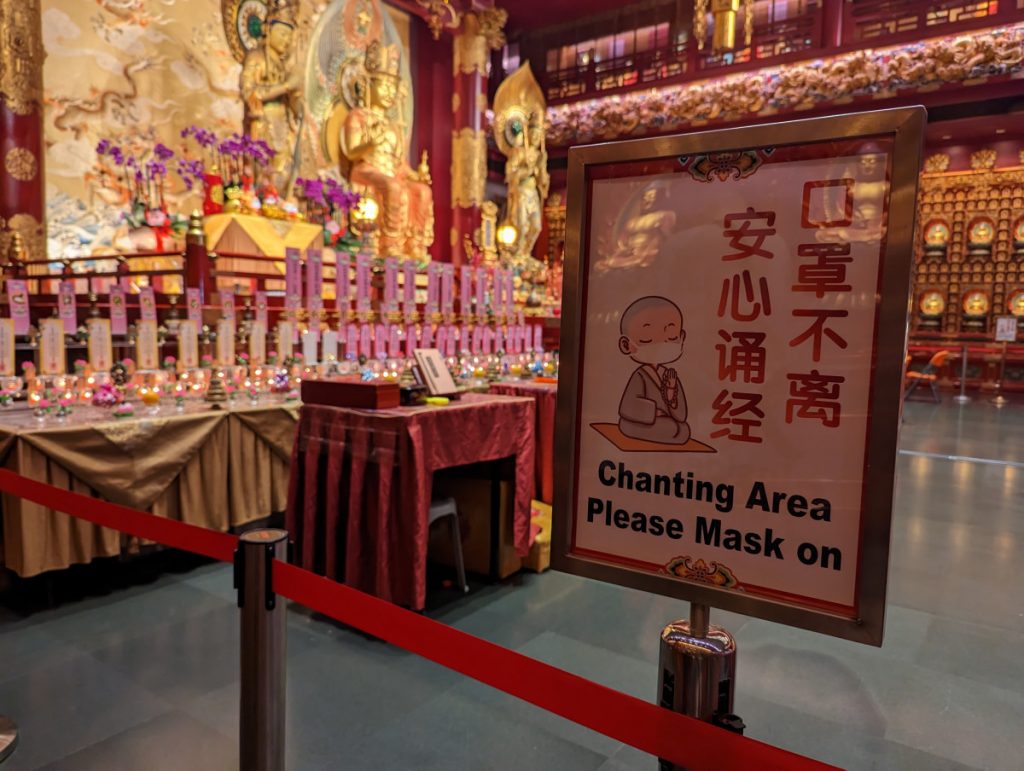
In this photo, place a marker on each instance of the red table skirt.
(360, 486)
(546, 396)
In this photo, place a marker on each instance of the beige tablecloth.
(215, 469)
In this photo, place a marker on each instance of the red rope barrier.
(683, 740)
(177, 535)
(644, 725)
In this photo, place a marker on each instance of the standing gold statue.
(373, 146)
(519, 111)
(271, 93)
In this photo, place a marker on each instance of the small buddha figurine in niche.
(975, 311)
(936, 240)
(373, 146)
(638, 240)
(270, 87)
(930, 307)
(980, 236)
(1018, 240)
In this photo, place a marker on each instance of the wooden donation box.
(351, 392)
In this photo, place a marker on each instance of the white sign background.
(804, 457)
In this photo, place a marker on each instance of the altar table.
(360, 488)
(546, 396)
(214, 468)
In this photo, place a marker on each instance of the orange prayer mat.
(611, 432)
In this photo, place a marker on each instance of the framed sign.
(100, 346)
(51, 347)
(734, 328)
(1006, 329)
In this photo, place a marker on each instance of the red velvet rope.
(169, 532)
(644, 725)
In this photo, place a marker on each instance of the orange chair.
(929, 375)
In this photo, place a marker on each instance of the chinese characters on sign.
(735, 393)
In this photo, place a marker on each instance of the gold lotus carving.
(983, 159)
(936, 163)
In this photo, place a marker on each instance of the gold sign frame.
(904, 128)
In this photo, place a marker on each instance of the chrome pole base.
(1000, 401)
(961, 398)
(8, 737)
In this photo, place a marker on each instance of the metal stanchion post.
(962, 397)
(8, 737)
(999, 400)
(697, 666)
(264, 635)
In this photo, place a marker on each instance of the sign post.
(1006, 332)
(734, 332)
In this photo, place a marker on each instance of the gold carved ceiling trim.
(978, 179)
(968, 59)
(21, 55)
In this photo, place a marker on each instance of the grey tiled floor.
(144, 677)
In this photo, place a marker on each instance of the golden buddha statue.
(271, 94)
(374, 151)
(519, 110)
(638, 239)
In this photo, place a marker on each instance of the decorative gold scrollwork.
(21, 164)
(21, 55)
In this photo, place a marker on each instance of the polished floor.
(144, 676)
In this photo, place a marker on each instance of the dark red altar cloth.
(360, 485)
(546, 396)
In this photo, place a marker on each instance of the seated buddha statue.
(638, 241)
(374, 149)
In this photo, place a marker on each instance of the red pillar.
(432, 125)
(22, 192)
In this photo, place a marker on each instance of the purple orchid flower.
(163, 152)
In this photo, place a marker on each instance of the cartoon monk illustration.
(653, 406)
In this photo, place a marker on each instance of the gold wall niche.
(969, 250)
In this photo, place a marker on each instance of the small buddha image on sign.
(653, 411)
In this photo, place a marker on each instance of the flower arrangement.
(80, 365)
(231, 164)
(280, 382)
(170, 363)
(143, 181)
(6, 397)
(206, 361)
(107, 395)
(242, 359)
(292, 396)
(328, 202)
(272, 358)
